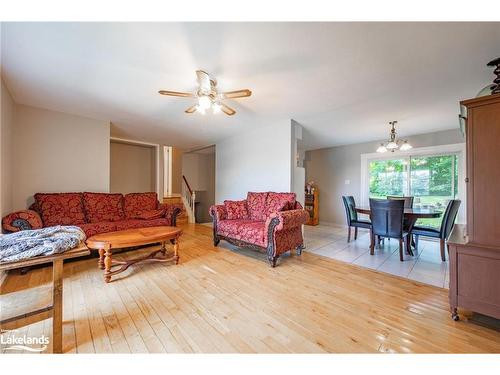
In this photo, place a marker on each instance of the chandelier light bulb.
(406, 146)
(204, 102)
(381, 148)
(392, 146)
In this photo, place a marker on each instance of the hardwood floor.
(217, 300)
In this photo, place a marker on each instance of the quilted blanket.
(46, 241)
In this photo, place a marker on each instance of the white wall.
(7, 109)
(58, 152)
(258, 160)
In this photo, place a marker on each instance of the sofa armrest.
(288, 219)
(218, 212)
(172, 211)
(21, 220)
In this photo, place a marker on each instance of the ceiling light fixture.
(204, 102)
(208, 96)
(393, 144)
(216, 108)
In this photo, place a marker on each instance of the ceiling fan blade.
(237, 94)
(176, 93)
(227, 110)
(204, 81)
(191, 109)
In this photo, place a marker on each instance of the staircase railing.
(189, 197)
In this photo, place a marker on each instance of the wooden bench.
(17, 308)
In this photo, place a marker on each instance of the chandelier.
(394, 144)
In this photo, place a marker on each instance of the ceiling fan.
(208, 96)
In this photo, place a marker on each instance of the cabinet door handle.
(466, 179)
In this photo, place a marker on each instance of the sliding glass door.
(432, 180)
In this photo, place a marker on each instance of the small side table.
(11, 318)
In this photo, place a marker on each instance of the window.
(432, 180)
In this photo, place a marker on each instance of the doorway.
(133, 167)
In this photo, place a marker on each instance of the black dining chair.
(387, 222)
(449, 216)
(408, 204)
(408, 200)
(352, 217)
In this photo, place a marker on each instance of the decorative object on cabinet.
(496, 63)
(474, 250)
(312, 206)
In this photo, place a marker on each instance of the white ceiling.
(342, 81)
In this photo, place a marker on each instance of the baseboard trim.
(330, 224)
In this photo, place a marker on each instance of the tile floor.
(425, 266)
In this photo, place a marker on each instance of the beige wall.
(6, 128)
(176, 170)
(58, 152)
(133, 168)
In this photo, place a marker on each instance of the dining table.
(410, 214)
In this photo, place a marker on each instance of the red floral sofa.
(270, 222)
(93, 212)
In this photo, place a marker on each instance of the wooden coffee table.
(106, 243)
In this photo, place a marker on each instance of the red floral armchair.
(269, 222)
(93, 212)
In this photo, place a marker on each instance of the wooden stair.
(182, 218)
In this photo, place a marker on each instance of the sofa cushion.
(135, 203)
(245, 230)
(133, 224)
(103, 207)
(91, 229)
(236, 209)
(60, 208)
(256, 203)
(277, 202)
(149, 214)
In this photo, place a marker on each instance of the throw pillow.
(236, 209)
(256, 203)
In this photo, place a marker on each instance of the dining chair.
(408, 204)
(352, 217)
(408, 200)
(387, 222)
(449, 216)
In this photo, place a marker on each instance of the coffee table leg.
(100, 262)
(176, 250)
(107, 265)
(163, 249)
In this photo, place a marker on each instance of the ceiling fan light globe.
(406, 146)
(392, 146)
(216, 107)
(381, 149)
(204, 102)
(200, 110)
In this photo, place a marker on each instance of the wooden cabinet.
(483, 170)
(475, 248)
(312, 207)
